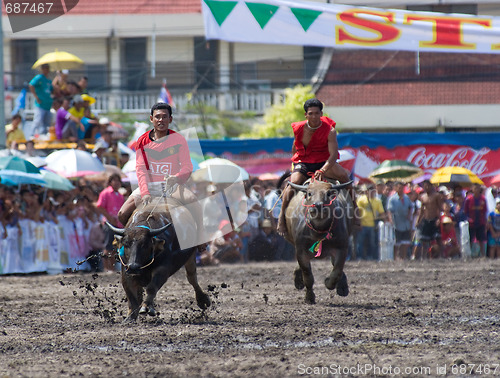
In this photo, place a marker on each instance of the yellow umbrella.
(455, 175)
(59, 60)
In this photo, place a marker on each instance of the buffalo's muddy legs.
(337, 278)
(202, 299)
(307, 279)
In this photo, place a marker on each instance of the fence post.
(386, 241)
(465, 249)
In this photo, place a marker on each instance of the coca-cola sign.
(483, 162)
(460, 157)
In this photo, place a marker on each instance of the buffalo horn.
(302, 188)
(157, 231)
(116, 230)
(341, 186)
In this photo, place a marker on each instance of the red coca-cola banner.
(483, 162)
(361, 153)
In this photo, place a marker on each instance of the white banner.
(330, 25)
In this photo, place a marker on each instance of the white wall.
(172, 49)
(250, 52)
(140, 25)
(416, 118)
(91, 50)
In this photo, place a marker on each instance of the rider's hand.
(146, 199)
(171, 180)
(319, 175)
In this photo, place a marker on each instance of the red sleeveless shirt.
(317, 149)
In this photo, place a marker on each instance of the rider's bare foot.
(281, 228)
(202, 248)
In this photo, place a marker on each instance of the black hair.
(162, 106)
(313, 103)
(72, 82)
(16, 116)
(113, 177)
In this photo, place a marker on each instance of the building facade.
(129, 47)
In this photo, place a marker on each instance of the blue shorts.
(492, 242)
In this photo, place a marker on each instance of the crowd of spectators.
(426, 220)
(252, 236)
(62, 112)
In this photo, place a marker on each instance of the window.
(24, 54)
(134, 63)
(205, 63)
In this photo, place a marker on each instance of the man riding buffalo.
(315, 153)
(163, 161)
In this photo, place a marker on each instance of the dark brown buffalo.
(320, 212)
(149, 252)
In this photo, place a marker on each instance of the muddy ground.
(400, 318)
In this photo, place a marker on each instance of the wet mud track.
(400, 318)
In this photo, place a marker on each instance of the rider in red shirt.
(315, 153)
(162, 154)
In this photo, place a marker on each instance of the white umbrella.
(73, 163)
(37, 161)
(220, 171)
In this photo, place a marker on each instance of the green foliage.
(214, 124)
(278, 118)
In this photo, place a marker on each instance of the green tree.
(214, 124)
(278, 118)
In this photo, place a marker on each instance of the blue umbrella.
(55, 181)
(14, 178)
(17, 164)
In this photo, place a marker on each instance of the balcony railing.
(140, 102)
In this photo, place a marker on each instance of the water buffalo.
(149, 252)
(319, 220)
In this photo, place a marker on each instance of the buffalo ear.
(158, 244)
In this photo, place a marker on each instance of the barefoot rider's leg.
(126, 210)
(337, 172)
(288, 193)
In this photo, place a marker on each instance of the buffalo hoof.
(328, 284)
(147, 310)
(129, 320)
(342, 286)
(310, 297)
(298, 279)
(203, 301)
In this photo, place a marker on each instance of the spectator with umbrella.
(428, 220)
(41, 88)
